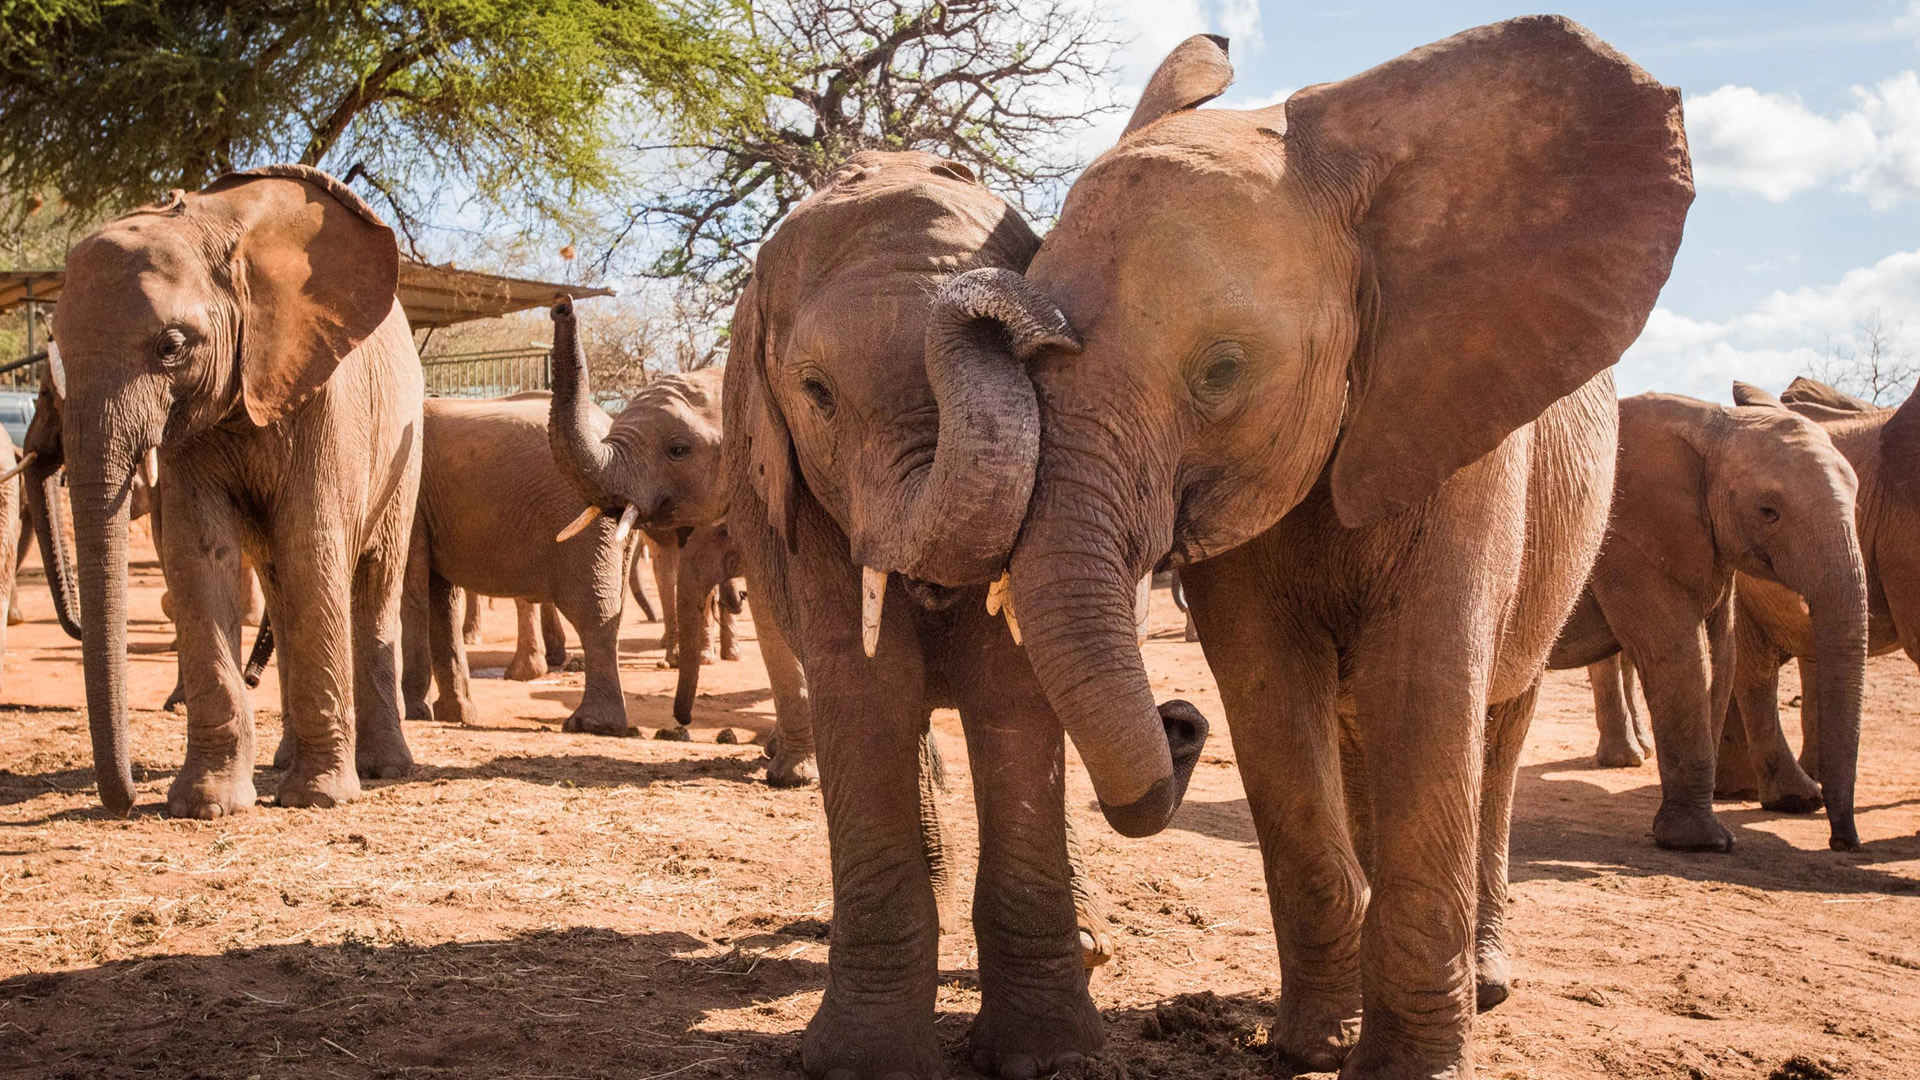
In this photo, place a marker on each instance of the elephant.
(848, 446)
(12, 516)
(707, 572)
(664, 548)
(1344, 362)
(1883, 446)
(1703, 491)
(493, 506)
(249, 333)
(1625, 739)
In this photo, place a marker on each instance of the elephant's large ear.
(316, 271)
(1518, 193)
(1747, 394)
(1805, 391)
(1900, 449)
(1194, 73)
(770, 462)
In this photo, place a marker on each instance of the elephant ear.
(1194, 73)
(770, 462)
(316, 271)
(1900, 449)
(1805, 391)
(1747, 394)
(1518, 193)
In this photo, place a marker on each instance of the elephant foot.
(1401, 1058)
(419, 710)
(599, 721)
(284, 754)
(1792, 802)
(471, 637)
(1685, 828)
(1090, 918)
(706, 657)
(786, 770)
(176, 698)
(1492, 976)
(878, 1040)
(1193, 632)
(206, 792)
(450, 710)
(526, 667)
(1810, 762)
(382, 757)
(1315, 1034)
(677, 733)
(671, 659)
(728, 652)
(318, 788)
(1027, 1032)
(1619, 754)
(15, 616)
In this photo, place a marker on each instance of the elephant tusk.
(1142, 606)
(58, 370)
(627, 518)
(873, 596)
(21, 467)
(1000, 602)
(150, 467)
(575, 526)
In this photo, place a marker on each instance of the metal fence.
(487, 374)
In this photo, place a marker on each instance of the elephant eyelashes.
(170, 345)
(819, 394)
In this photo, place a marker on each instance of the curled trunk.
(583, 459)
(100, 518)
(1839, 610)
(954, 521)
(48, 509)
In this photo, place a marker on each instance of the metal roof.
(431, 295)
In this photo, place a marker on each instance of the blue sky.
(1804, 120)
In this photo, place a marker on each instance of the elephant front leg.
(454, 703)
(553, 637)
(317, 675)
(201, 553)
(1782, 785)
(416, 672)
(603, 705)
(1507, 725)
(1089, 904)
(1035, 1013)
(380, 746)
(790, 747)
(876, 1019)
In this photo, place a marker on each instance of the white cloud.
(1779, 338)
(1775, 146)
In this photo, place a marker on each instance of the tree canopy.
(103, 103)
(1000, 85)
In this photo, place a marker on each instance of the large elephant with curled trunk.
(1344, 361)
(1704, 491)
(864, 430)
(249, 332)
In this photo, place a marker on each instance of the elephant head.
(1782, 501)
(226, 307)
(923, 458)
(1367, 287)
(658, 463)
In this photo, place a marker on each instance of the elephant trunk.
(1076, 614)
(100, 519)
(1839, 610)
(48, 509)
(953, 521)
(577, 448)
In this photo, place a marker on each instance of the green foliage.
(512, 102)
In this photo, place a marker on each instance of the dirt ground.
(540, 905)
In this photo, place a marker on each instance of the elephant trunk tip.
(1186, 730)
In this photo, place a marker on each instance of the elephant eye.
(1218, 372)
(819, 394)
(170, 344)
(678, 451)
(1769, 514)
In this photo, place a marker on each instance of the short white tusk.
(21, 467)
(627, 517)
(1000, 602)
(58, 369)
(150, 467)
(575, 526)
(1142, 606)
(873, 596)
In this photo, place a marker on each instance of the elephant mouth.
(928, 595)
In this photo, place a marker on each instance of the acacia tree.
(513, 103)
(1000, 85)
(1873, 365)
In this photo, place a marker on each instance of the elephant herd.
(1342, 362)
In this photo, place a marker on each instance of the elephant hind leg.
(529, 653)
(470, 624)
(1613, 712)
(790, 747)
(454, 703)
(1507, 724)
(380, 746)
(553, 634)
(935, 838)
(1089, 905)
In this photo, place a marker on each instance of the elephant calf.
(1704, 491)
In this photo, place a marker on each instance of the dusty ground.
(533, 904)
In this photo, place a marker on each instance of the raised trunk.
(1075, 609)
(1839, 611)
(583, 459)
(100, 519)
(49, 511)
(954, 521)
